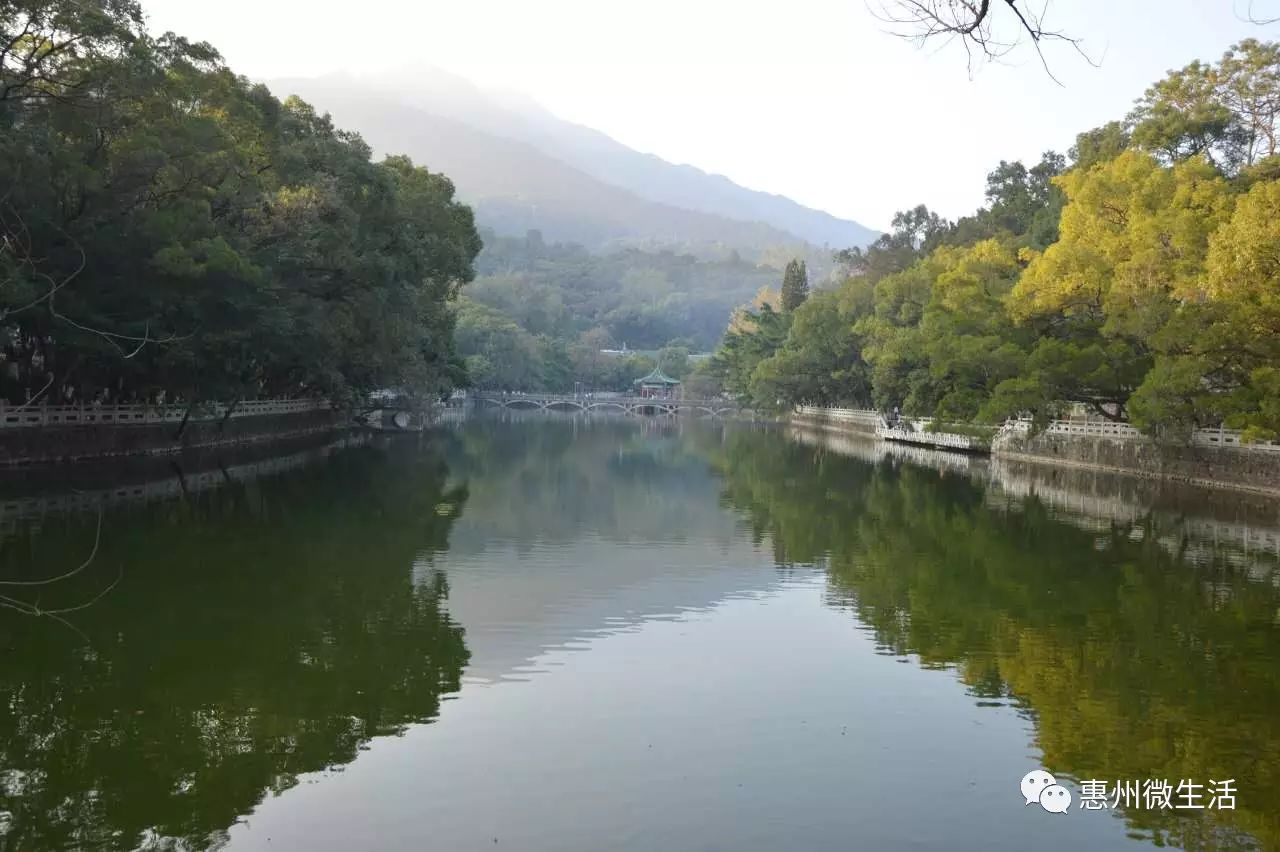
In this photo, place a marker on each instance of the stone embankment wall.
(837, 420)
(1252, 470)
(65, 443)
(1215, 458)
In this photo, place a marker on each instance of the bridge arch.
(633, 405)
(608, 404)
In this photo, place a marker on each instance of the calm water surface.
(556, 634)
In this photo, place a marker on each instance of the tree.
(1220, 360)
(1134, 240)
(820, 362)
(893, 345)
(913, 233)
(1020, 201)
(169, 230)
(702, 382)
(674, 361)
(756, 335)
(1226, 112)
(1099, 145)
(1250, 88)
(499, 354)
(590, 364)
(969, 341)
(57, 50)
(940, 340)
(1182, 116)
(642, 298)
(795, 285)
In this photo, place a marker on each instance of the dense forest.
(169, 230)
(1138, 276)
(539, 316)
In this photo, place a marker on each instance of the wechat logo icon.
(1042, 788)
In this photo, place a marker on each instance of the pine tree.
(795, 285)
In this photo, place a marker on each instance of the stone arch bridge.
(634, 405)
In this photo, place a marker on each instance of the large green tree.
(169, 230)
(819, 363)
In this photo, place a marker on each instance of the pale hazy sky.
(812, 99)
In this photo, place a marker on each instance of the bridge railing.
(586, 399)
(1221, 437)
(863, 416)
(932, 439)
(25, 416)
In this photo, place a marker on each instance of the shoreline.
(1247, 481)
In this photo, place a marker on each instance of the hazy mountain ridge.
(514, 187)
(656, 179)
(523, 168)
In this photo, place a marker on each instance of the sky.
(813, 99)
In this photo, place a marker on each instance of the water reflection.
(1136, 659)
(260, 630)
(586, 526)
(671, 638)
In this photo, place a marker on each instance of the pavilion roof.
(657, 377)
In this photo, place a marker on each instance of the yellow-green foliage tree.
(1142, 282)
(940, 339)
(1134, 237)
(1220, 359)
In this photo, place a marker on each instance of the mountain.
(523, 168)
(686, 186)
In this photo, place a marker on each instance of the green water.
(560, 634)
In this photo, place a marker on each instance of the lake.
(549, 633)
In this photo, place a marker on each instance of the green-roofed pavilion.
(657, 385)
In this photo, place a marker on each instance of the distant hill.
(654, 178)
(522, 168)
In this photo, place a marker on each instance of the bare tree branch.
(36, 395)
(15, 240)
(976, 24)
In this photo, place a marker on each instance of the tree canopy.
(169, 230)
(1137, 278)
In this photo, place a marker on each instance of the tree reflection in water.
(268, 629)
(260, 631)
(1132, 660)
